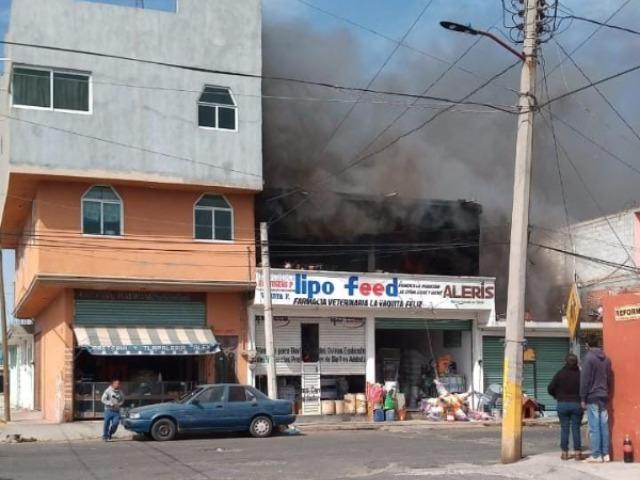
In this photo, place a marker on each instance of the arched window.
(101, 211)
(213, 218)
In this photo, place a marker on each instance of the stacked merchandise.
(450, 406)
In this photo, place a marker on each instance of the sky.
(303, 42)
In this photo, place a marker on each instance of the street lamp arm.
(502, 44)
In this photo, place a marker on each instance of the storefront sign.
(627, 313)
(191, 349)
(378, 291)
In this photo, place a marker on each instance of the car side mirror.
(195, 402)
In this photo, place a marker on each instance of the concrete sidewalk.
(546, 466)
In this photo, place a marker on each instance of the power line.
(360, 99)
(602, 24)
(602, 95)
(589, 193)
(590, 36)
(591, 84)
(360, 159)
(129, 146)
(402, 43)
(586, 137)
(557, 158)
(370, 83)
(589, 258)
(249, 75)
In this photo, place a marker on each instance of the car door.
(209, 410)
(242, 406)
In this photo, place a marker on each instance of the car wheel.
(163, 430)
(261, 427)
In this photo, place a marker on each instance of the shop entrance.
(411, 352)
(145, 379)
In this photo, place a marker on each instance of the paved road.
(375, 455)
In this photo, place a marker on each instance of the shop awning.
(146, 341)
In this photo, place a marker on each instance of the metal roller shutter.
(344, 338)
(550, 353)
(421, 324)
(139, 313)
(286, 342)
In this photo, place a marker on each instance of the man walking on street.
(595, 389)
(112, 398)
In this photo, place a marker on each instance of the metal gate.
(549, 358)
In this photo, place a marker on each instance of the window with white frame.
(213, 218)
(51, 89)
(217, 109)
(101, 212)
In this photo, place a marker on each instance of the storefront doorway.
(410, 352)
(145, 379)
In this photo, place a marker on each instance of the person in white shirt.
(112, 398)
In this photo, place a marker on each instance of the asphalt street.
(397, 453)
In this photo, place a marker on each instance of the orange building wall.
(56, 351)
(227, 315)
(621, 344)
(157, 243)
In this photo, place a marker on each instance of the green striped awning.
(146, 341)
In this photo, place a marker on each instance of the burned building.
(362, 233)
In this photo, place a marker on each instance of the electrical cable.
(370, 101)
(393, 40)
(589, 85)
(602, 95)
(247, 75)
(360, 159)
(557, 158)
(590, 36)
(373, 79)
(602, 24)
(589, 193)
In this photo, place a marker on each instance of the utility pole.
(268, 313)
(5, 348)
(513, 356)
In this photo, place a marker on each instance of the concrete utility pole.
(5, 349)
(513, 356)
(268, 313)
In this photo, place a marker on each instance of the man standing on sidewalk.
(112, 398)
(595, 389)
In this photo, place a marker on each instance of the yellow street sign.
(573, 310)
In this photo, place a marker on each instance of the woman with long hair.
(565, 388)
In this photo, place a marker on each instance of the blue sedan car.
(212, 408)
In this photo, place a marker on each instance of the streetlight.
(469, 30)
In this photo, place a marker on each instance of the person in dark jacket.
(565, 388)
(595, 389)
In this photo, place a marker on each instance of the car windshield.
(190, 396)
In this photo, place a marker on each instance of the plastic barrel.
(378, 415)
(390, 415)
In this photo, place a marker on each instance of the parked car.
(212, 408)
